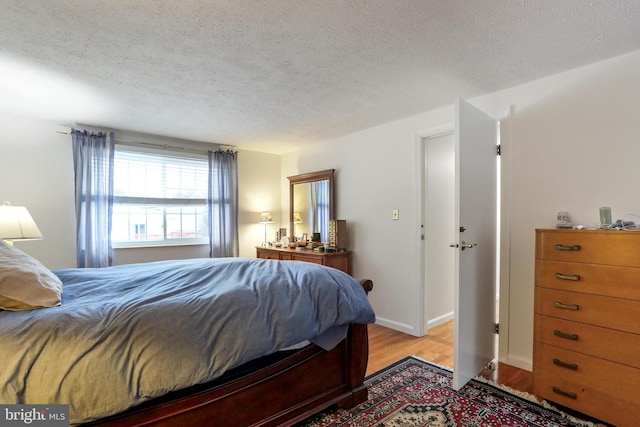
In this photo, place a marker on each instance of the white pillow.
(25, 283)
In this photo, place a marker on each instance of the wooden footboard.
(281, 394)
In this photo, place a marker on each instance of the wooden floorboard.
(387, 346)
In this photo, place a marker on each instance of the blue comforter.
(126, 334)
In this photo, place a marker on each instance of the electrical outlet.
(396, 214)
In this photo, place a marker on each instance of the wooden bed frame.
(290, 390)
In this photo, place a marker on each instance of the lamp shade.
(297, 218)
(265, 218)
(16, 223)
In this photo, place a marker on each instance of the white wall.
(574, 146)
(37, 172)
(259, 177)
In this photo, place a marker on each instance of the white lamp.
(17, 224)
(265, 218)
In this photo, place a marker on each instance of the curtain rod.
(163, 146)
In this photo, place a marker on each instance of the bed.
(198, 342)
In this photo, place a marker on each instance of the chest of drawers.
(338, 260)
(587, 322)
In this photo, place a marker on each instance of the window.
(159, 199)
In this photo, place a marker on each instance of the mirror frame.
(310, 177)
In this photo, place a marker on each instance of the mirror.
(311, 204)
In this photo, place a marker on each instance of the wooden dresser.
(337, 260)
(587, 322)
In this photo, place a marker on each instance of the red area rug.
(414, 393)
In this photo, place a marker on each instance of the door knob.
(464, 245)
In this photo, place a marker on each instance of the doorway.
(439, 214)
(438, 230)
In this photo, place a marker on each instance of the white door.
(475, 247)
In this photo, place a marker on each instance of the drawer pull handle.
(558, 304)
(572, 337)
(573, 277)
(562, 364)
(568, 394)
(568, 248)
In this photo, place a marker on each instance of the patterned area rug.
(414, 393)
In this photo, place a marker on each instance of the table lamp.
(265, 218)
(16, 224)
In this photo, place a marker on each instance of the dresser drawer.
(608, 344)
(605, 390)
(265, 254)
(615, 313)
(589, 246)
(315, 260)
(614, 281)
(340, 262)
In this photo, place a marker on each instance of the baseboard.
(397, 326)
(432, 323)
(520, 362)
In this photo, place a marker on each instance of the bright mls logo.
(36, 415)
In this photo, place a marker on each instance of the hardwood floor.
(387, 346)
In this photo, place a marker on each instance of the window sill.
(147, 245)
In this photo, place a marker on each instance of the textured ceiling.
(273, 75)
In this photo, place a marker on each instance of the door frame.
(505, 137)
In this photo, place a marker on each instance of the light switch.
(396, 214)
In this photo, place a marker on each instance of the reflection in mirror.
(311, 205)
